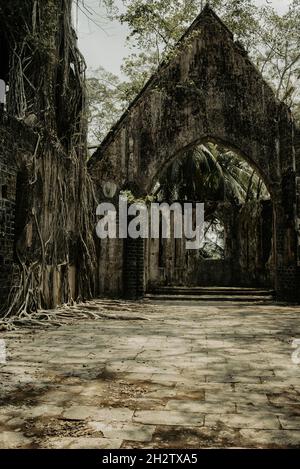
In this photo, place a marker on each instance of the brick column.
(134, 267)
(134, 285)
(287, 272)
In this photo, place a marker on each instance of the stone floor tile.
(252, 420)
(96, 413)
(290, 422)
(271, 438)
(202, 407)
(168, 417)
(13, 440)
(128, 431)
(188, 364)
(82, 443)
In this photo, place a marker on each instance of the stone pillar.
(140, 275)
(285, 211)
(134, 263)
(287, 272)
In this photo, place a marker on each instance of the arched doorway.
(237, 248)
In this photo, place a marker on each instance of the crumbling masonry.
(208, 90)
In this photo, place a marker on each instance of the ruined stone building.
(208, 91)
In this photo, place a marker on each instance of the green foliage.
(156, 26)
(162, 22)
(137, 68)
(131, 199)
(214, 240)
(277, 52)
(210, 173)
(272, 40)
(105, 103)
(109, 96)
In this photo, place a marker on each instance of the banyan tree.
(44, 74)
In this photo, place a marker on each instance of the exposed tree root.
(101, 310)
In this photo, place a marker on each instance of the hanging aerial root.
(59, 193)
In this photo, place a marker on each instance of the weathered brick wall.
(7, 226)
(14, 138)
(7, 213)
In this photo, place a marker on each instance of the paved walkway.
(184, 376)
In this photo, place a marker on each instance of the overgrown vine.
(47, 94)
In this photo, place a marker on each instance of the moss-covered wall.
(208, 90)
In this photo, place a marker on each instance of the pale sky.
(104, 44)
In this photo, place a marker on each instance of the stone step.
(237, 294)
(211, 291)
(211, 298)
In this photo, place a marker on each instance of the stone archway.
(243, 208)
(209, 89)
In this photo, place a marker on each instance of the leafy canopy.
(271, 39)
